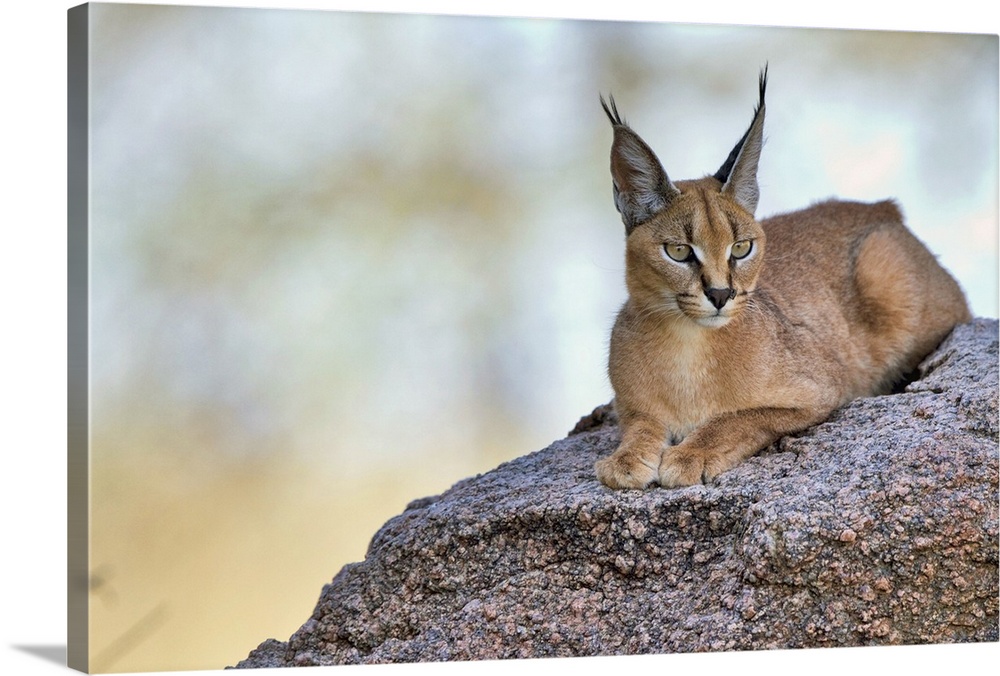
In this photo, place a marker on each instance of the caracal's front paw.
(626, 470)
(682, 466)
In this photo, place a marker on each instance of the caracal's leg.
(728, 439)
(636, 461)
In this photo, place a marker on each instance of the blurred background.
(341, 261)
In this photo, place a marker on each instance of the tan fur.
(837, 301)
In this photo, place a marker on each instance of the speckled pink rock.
(876, 527)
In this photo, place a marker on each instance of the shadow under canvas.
(50, 653)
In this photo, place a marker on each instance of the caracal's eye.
(742, 249)
(679, 252)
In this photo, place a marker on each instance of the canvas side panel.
(78, 299)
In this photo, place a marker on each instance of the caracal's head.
(694, 249)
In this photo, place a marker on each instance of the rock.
(876, 527)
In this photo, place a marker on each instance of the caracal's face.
(698, 259)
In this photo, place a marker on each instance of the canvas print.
(408, 338)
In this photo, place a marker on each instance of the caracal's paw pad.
(625, 471)
(685, 467)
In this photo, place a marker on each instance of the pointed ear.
(738, 174)
(641, 186)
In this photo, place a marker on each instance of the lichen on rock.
(876, 527)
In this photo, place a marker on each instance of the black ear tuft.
(612, 112)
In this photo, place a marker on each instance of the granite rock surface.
(876, 527)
